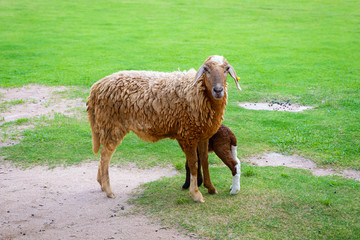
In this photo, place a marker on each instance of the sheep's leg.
(187, 178)
(191, 158)
(103, 170)
(203, 155)
(230, 159)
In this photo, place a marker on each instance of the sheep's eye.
(227, 69)
(206, 70)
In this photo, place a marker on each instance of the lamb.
(224, 144)
(186, 106)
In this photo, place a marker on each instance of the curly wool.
(154, 105)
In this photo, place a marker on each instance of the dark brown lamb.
(224, 144)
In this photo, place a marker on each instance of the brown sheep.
(224, 144)
(186, 106)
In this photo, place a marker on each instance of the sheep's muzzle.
(218, 92)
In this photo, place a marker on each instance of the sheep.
(224, 144)
(186, 106)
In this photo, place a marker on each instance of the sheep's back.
(154, 105)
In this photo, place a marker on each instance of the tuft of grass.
(247, 170)
(179, 166)
(325, 201)
(182, 200)
(284, 175)
(21, 121)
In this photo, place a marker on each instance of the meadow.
(305, 52)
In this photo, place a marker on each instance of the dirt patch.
(68, 204)
(294, 161)
(35, 100)
(275, 106)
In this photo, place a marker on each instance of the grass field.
(303, 51)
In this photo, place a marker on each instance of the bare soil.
(67, 203)
(274, 106)
(294, 161)
(37, 100)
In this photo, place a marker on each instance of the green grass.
(274, 203)
(303, 51)
(65, 140)
(61, 140)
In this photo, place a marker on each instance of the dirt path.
(294, 161)
(35, 100)
(275, 106)
(67, 203)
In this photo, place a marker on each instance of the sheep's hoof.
(110, 195)
(197, 196)
(200, 201)
(212, 191)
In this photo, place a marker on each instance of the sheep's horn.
(199, 73)
(233, 75)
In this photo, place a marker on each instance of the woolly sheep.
(186, 106)
(224, 144)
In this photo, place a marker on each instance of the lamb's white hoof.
(234, 190)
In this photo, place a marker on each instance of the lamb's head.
(215, 70)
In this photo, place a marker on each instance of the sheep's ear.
(199, 73)
(232, 73)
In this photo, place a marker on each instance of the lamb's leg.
(187, 178)
(191, 158)
(103, 170)
(199, 176)
(235, 187)
(203, 155)
(229, 157)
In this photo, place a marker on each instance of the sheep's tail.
(95, 135)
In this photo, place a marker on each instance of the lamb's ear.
(199, 73)
(232, 73)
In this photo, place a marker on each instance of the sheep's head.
(216, 69)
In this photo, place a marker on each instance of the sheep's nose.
(218, 89)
